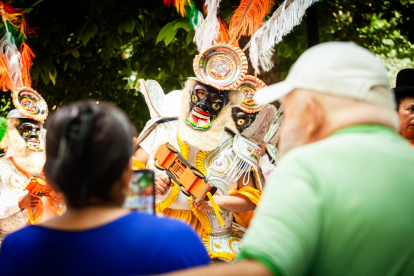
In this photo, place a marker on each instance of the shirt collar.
(363, 129)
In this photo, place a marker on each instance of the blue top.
(136, 244)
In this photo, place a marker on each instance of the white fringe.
(13, 57)
(238, 169)
(272, 31)
(207, 30)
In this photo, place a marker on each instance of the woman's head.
(89, 148)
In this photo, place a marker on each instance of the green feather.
(192, 13)
(3, 127)
(16, 37)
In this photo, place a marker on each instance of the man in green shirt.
(341, 199)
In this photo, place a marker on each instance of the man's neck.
(352, 117)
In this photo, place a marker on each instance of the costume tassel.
(247, 18)
(284, 19)
(216, 209)
(27, 55)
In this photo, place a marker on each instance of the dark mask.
(205, 105)
(242, 119)
(31, 133)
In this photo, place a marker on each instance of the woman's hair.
(88, 147)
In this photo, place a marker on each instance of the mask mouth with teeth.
(30, 131)
(205, 105)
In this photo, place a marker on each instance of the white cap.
(342, 69)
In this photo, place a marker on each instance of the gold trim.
(184, 148)
(235, 84)
(16, 103)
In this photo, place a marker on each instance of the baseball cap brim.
(272, 92)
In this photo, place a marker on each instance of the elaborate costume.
(207, 137)
(204, 132)
(257, 123)
(22, 133)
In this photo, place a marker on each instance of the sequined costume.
(221, 241)
(12, 184)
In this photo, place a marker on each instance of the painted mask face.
(242, 119)
(205, 105)
(31, 133)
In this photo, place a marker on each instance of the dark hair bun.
(88, 147)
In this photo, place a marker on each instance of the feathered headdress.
(249, 19)
(15, 63)
(15, 55)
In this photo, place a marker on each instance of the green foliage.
(98, 49)
(380, 26)
(90, 49)
(3, 127)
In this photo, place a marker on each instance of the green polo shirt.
(340, 206)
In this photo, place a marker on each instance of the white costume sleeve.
(266, 166)
(9, 203)
(147, 144)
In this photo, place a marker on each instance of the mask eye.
(26, 133)
(215, 106)
(241, 122)
(194, 98)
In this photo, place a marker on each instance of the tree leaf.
(52, 78)
(183, 23)
(65, 66)
(75, 54)
(170, 36)
(164, 31)
(45, 77)
(127, 25)
(29, 9)
(190, 37)
(90, 31)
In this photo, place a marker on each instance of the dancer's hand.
(27, 202)
(162, 184)
(202, 205)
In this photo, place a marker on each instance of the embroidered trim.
(202, 217)
(169, 200)
(227, 256)
(184, 148)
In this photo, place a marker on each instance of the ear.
(314, 119)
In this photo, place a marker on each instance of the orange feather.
(27, 55)
(5, 81)
(247, 18)
(223, 36)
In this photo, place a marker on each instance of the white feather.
(14, 61)
(207, 30)
(199, 29)
(212, 24)
(272, 31)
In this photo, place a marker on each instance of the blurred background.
(100, 48)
